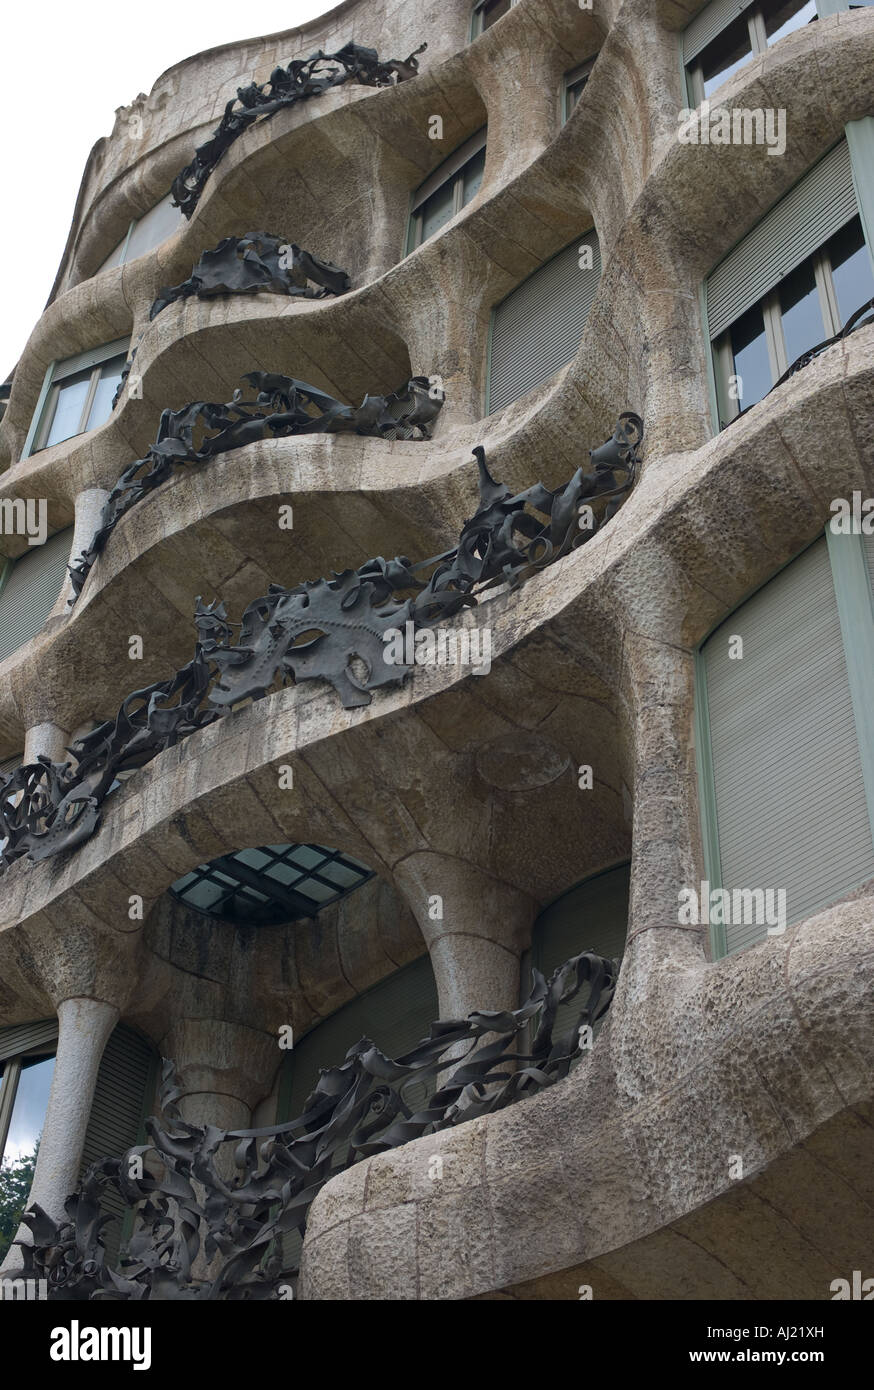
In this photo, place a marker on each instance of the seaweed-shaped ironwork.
(187, 1207)
(299, 81)
(283, 406)
(334, 630)
(253, 263)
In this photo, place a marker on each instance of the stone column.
(83, 1028)
(475, 927)
(47, 740)
(88, 508)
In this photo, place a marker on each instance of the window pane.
(729, 51)
(851, 269)
(751, 362)
(803, 325)
(492, 12)
(107, 385)
(784, 19)
(437, 210)
(573, 93)
(154, 227)
(472, 177)
(29, 1109)
(68, 406)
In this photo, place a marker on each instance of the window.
(274, 883)
(574, 82)
(488, 12)
(76, 396)
(786, 737)
(29, 589)
(792, 283)
(448, 190)
(27, 1063)
(395, 1014)
(591, 917)
(537, 329)
(720, 40)
(144, 233)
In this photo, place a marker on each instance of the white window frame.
(56, 374)
(778, 357)
(450, 171)
(754, 14)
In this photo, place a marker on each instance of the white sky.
(66, 66)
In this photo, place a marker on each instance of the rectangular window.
(789, 285)
(450, 188)
(76, 395)
(785, 781)
(574, 85)
(29, 590)
(487, 13)
(537, 329)
(728, 33)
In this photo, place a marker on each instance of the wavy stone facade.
(453, 786)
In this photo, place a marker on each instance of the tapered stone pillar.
(475, 927)
(83, 1028)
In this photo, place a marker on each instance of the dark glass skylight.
(270, 884)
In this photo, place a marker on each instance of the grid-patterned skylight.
(274, 883)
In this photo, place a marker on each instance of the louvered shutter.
(537, 329)
(395, 1014)
(31, 591)
(21, 1037)
(125, 1081)
(591, 917)
(811, 212)
(710, 22)
(787, 777)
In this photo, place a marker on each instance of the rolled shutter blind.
(537, 329)
(21, 1037)
(591, 917)
(710, 22)
(790, 799)
(31, 591)
(395, 1015)
(801, 222)
(124, 1084)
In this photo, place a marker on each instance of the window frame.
(451, 170)
(124, 245)
(778, 357)
(11, 1076)
(854, 598)
(758, 36)
(476, 18)
(581, 73)
(56, 373)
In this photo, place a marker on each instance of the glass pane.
(205, 894)
(436, 211)
(253, 858)
(803, 325)
(154, 227)
(751, 362)
(341, 874)
(114, 257)
(311, 888)
(573, 93)
(68, 406)
(107, 385)
(493, 11)
(305, 856)
(29, 1109)
(783, 19)
(851, 269)
(728, 51)
(472, 177)
(283, 873)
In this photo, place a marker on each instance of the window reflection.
(851, 269)
(29, 1107)
(751, 362)
(803, 326)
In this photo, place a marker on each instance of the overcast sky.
(66, 66)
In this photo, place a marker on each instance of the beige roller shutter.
(537, 329)
(789, 796)
(800, 223)
(31, 591)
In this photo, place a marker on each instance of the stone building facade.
(681, 704)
